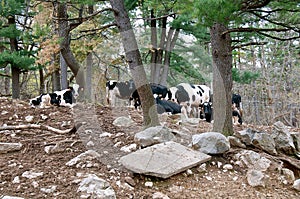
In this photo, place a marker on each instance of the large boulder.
(163, 160)
(154, 135)
(265, 142)
(210, 143)
(283, 139)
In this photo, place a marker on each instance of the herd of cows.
(191, 100)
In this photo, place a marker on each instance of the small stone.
(255, 178)
(228, 167)
(29, 118)
(219, 164)
(159, 195)
(288, 175)
(296, 185)
(202, 168)
(130, 181)
(208, 178)
(16, 180)
(32, 174)
(149, 184)
(189, 172)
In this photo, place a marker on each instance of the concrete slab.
(163, 160)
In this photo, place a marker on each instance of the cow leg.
(184, 115)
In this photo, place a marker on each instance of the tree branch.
(278, 38)
(249, 44)
(84, 18)
(155, 18)
(274, 22)
(101, 28)
(253, 4)
(255, 30)
(36, 126)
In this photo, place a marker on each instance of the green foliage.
(11, 7)
(245, 77)
(9, 32)
(185, 69)
(209, 12)
(19, 59)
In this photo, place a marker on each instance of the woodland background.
(45, 45)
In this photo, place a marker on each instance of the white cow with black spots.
(190, 97)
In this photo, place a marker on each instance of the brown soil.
(95, 120)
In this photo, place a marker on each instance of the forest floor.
(214, 182)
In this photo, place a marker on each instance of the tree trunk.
(89, 65)
(134, 60)
(15, 71)
(42, 83)
(63, 72)
(171, 40)
(88, 77)
(65, 50)
(222, 79)
(160, 51)
(56, 80)
(7, 81)
(154, 46)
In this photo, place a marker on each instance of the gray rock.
(265, 142)
(95, 187)
(154, 135)
(159, 195)
(246, 136)
(163, 160)
(210, 143)
(84, 159)
(236, 142)
(255, 178)
(6, 147)
(11, 197)
(32, 174)
(123, 121)
(296, 185)
(288, 175)
(253, 160)
(283, 139)
(296, 138)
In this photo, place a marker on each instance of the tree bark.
(7, 81)
(88, 77)
(171, 40)
(63, 72)
(64, 30)
(15, 71)
(42, 83)
(222, 79)
(154, 46)
(134, 60)
(160, 50)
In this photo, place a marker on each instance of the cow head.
(172, 94)
(75, 90)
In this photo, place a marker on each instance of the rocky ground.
(94, 130)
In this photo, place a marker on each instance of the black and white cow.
(206, 111)
(121, 90)
(190, 97)
(159, 91)
(237, 100)
(237, 110)
(167, 106)
(66, 97)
